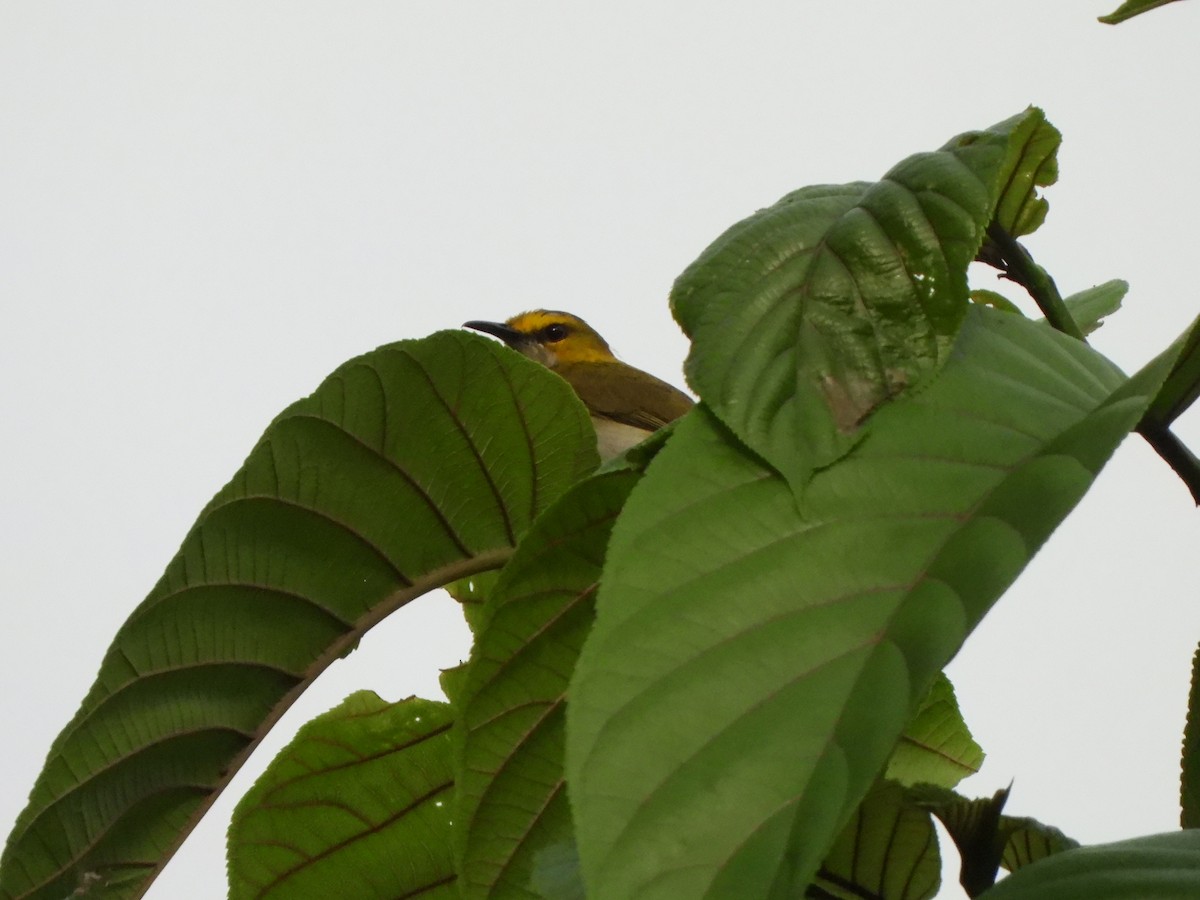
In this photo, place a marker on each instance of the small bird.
(627, 405)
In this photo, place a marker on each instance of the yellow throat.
(626, 404)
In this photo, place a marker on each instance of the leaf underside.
(888, 850)
(511, 795)
(358, 804)
(936, 747)
(411, 466)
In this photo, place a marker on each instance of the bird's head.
(550, 337)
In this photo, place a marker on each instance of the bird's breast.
(614, 438)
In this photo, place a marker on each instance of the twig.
(1014, 261)
(1002, 251)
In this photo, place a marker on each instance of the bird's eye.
(552, 333)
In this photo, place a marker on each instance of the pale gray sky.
(204, 210)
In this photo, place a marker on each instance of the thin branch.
(1014, 261)
(1004, 252)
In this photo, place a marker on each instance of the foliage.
(1131, 8)
(368, 780)
(749, 614)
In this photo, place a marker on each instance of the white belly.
(614, 438)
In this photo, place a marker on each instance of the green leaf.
(1131, 8)
(1028, 840)
(556, 874)
(1090, 307)
(771, 651)
(888, 851)
(985, 297)
(512, 801)
(412, 466)
(936, 747)
(985, 838)
(1031, 163)
(809, 314)
(1189, 782)
(451, 682)
(1159, 867)
(361, 796)
(974, 826)
(1182, 385)
(472, 593)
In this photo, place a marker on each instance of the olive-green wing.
(625, 394)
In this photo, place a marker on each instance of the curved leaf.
(409, 467)
(1027, 840)
(556, 874)
(887, 851)
(1159, 867)
(936, 747)
(809, 314)
(511, 798)
(755, 657)
(1032, 163)
(361, 796)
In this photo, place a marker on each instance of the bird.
(626, 404)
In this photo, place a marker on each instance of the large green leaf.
(414, 465)
(809, 314)
(1159, 867)
(887, 851)
(512, 802)
(362, 796)
(755, 657)
(936, 747)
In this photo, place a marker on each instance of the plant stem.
(1018, 266)
(1175, 452)
(1008, 255)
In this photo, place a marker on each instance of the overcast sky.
(204, 211)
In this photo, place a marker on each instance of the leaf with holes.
(808, 315)
(362, 796)
(511, 798)
(756, 656)
(412, 466)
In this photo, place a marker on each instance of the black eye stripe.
(552, 333)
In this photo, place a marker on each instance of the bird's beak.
(510, 336)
